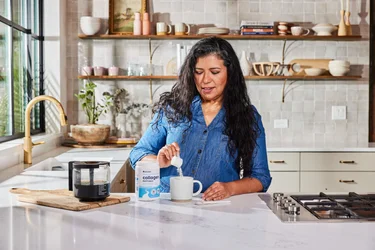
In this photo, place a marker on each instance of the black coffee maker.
(89, 180)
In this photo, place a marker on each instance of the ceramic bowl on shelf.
(324, 29)
(314, 71)
(90, 25)
(338, 63)
(338, 71)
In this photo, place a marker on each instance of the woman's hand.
(217, 191)
(166, 154)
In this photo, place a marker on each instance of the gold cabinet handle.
(277, 161)
(347, 181)
(122, 181)
(347, 162)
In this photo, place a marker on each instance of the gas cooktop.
(321, 207)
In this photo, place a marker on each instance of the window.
(21, 66)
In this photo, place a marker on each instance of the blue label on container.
(149, 192)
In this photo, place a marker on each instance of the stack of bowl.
(338, 67)
(90, 25)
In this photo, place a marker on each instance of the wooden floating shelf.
(239, 37)
(247, 77)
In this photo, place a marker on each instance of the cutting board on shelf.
(63, 199)
(298, 66)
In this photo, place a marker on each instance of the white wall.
(55, 60)
(307, 106)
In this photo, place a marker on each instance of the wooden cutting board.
(308, 63)
(64, 199)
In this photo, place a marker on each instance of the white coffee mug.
(182, 188)
(298, 31)
(180, 29)
(163, 29)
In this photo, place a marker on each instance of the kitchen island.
(246, 223)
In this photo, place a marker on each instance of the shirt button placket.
(193, 171)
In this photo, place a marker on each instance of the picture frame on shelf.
(121, 15)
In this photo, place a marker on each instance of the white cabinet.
(338, 172)
(287, 182)
(359, 182)
(284, 169)
(337, 161)
(312, 172)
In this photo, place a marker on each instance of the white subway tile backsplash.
(307, 104)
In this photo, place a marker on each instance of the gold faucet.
(28, 144)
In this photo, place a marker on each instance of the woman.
(208, 119)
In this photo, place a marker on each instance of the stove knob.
(278, 200)
(275, 195)
(284, 202)
(287, 204)
(293, 210)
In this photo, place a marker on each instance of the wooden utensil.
(307, 63)
(63, 199)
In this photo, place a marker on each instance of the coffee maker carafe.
(89, 180)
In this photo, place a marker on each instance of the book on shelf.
(256, 23)
(256, 30)
(256, 33)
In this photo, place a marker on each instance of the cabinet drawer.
(284, 182)
(283, 161)
(338, 161)
(362, 182)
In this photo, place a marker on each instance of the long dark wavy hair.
(240, 121)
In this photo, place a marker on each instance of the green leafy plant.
(93, 109)
(135, 109)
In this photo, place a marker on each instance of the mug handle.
(188, 29)
(308, 32)
(169, 29)
(200, 187)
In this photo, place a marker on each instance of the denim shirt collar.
(196, 109)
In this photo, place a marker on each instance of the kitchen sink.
(49, 164)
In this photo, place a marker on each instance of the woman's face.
(210, 78)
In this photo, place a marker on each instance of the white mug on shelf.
(181, 29)
(299, 31)
(182, 188)
(163, 29)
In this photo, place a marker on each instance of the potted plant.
(92, 133)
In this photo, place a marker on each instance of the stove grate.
(338, 206)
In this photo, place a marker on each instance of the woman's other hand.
(217, 191)
(166, 154)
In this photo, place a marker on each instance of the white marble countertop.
(246, 223)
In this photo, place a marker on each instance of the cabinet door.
(337, 161)
(280, 161)
(118, 184)
(359, 182)
(287, 182)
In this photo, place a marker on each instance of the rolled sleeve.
(259, 168)
(151, 142)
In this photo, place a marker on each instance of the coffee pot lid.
(89, 164)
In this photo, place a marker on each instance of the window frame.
(372, 74)
(30, 36)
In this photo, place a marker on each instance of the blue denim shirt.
(204, 150)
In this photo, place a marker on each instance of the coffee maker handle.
(70, 174)
(200, 187)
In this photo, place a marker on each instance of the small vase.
(146, 24)
(137, 26)
(121, 125)
(245, 65)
